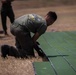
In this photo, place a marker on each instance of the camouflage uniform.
(21, 29)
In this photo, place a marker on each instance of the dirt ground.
(66, 22)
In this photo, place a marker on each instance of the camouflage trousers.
(23, 40)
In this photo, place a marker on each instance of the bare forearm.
(35, 37)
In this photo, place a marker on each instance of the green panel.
(54, 42)
(62, 45)
(62, 66)
(60, 40)
(58, 44)
(43, 68)
(46, 48)
(72, 60)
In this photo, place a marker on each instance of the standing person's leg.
(3, 19)
(11, 15)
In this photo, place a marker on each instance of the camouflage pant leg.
(23, 40)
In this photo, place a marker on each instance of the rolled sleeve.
(41, 30)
